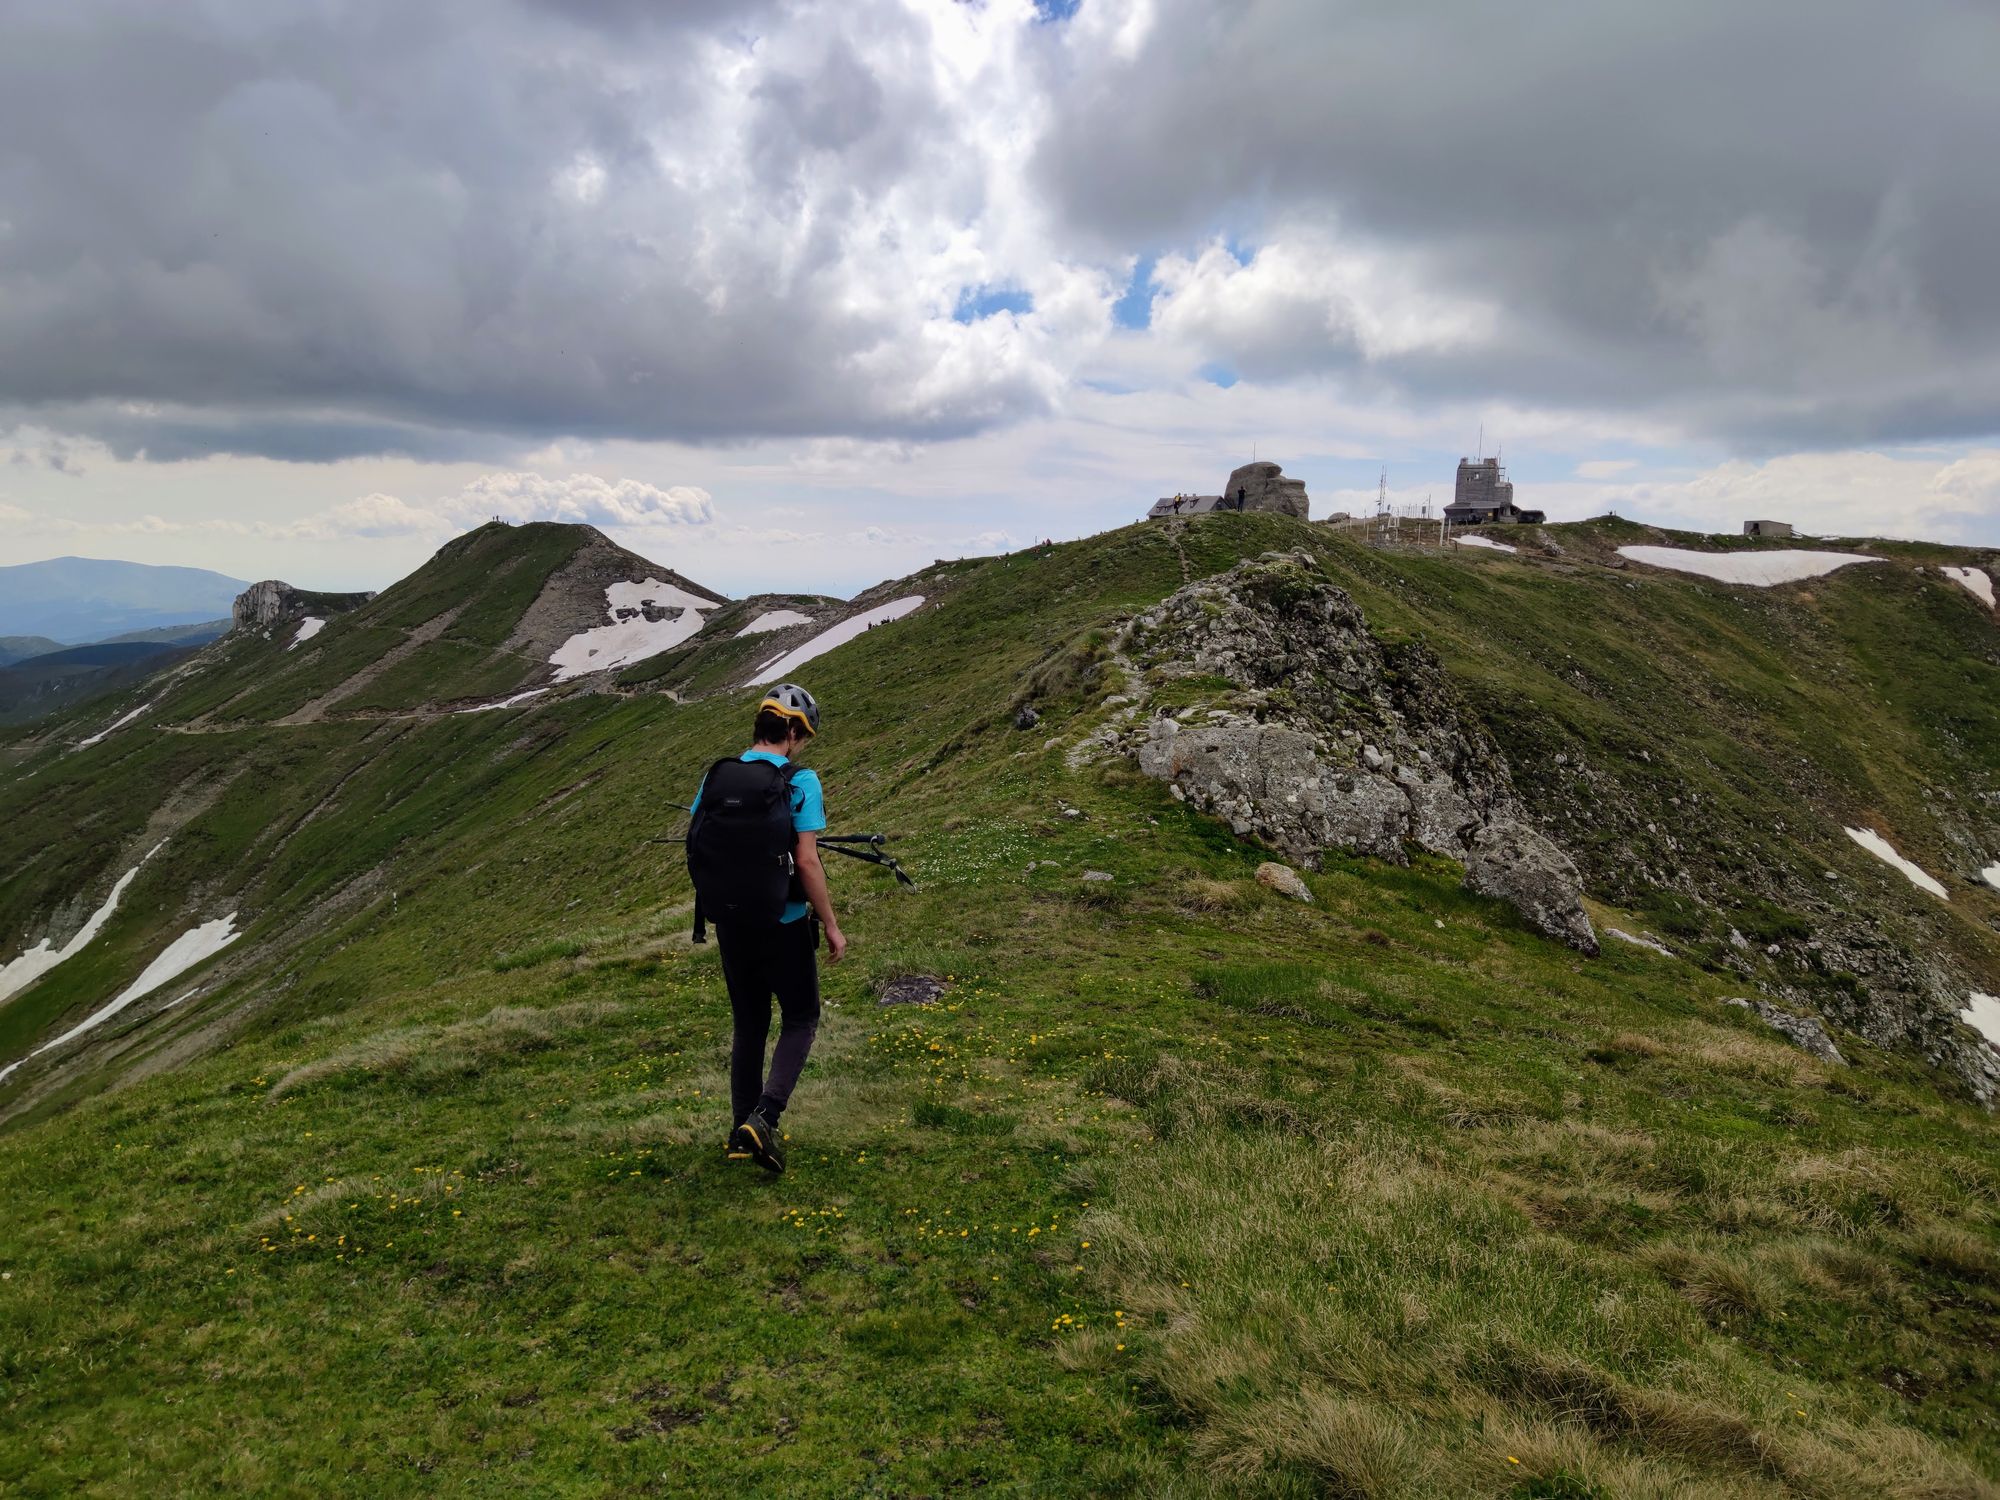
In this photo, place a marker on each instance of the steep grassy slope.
(1187, 1188)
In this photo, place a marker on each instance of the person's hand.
(836, 944)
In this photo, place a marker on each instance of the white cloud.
(588, 498)
(1829, 494)
(1605, 468)
(1306, 299)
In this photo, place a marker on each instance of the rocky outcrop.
(267, 604)
(1319, 736)
(1803, 1032)
(1263, 486)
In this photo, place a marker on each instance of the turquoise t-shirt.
(808, 811)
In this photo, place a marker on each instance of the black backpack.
(739, 846)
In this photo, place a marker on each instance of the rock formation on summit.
(1328, 738)
(1263, 486)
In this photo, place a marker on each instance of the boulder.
(1516, 864)
(1284, 880)
(1803, 1032)
(1263, 486)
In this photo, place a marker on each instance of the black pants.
(757, 963)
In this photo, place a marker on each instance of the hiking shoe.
(732, 1150)
(758, 1139)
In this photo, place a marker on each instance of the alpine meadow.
(408, 1179)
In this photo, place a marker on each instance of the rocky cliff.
(266, 604)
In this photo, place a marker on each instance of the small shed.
(1767, 528)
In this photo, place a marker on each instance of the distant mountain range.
(77, 600)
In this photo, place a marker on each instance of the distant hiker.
(753, 850)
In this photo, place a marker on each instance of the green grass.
(1384, 1195)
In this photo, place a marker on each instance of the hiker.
(754, 856)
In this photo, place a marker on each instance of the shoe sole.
(759, 1152)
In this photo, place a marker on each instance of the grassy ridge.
(1384, 1195)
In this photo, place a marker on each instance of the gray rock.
(1803, 1032)
(1331, 739)
(1284, 880)
(1263, 486)
(911, 989)
(1025, 717)
(1097, 875)
(264, 605)
(1513, 862)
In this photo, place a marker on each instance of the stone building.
(1485, 495)
(1254, 486)
(1767, 528)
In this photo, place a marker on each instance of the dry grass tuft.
(1199, 896)
(429, 1052)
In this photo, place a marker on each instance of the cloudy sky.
(802, 295)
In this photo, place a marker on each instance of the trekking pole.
(869, 856)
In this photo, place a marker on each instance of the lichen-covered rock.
(1803, 1032)
(1513, 863)
(1284, 880)
(1328, 738)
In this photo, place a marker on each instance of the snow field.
(484, 708)
(1484, 541)
(1883, 850)
(309, 627)
(112, 728)
(781, 667)
(1982, 1014)
(1758, 569)
(773, 619)
(1973, 580)
(38, 960)
(1991, 875)
(623, 642)
(183, 953)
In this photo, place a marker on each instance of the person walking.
(753, 851)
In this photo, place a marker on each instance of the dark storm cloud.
(332, 228)
(371, 227)
(1773, 220)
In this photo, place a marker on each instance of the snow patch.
(1883, 850)
(1641, 942)
(779, 667)
(773, 619)
(631, 636)
(484, 708)
(183, 953)
(1758, 569)
(1991, 875)
(1982, 1014)
(38, 960)
(309, 627)
(1484, 541)
(112, 728)
(1975, 580)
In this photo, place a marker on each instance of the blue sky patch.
(977, 302)
(1055, 10)
(1220, 375)
(1135, 308)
